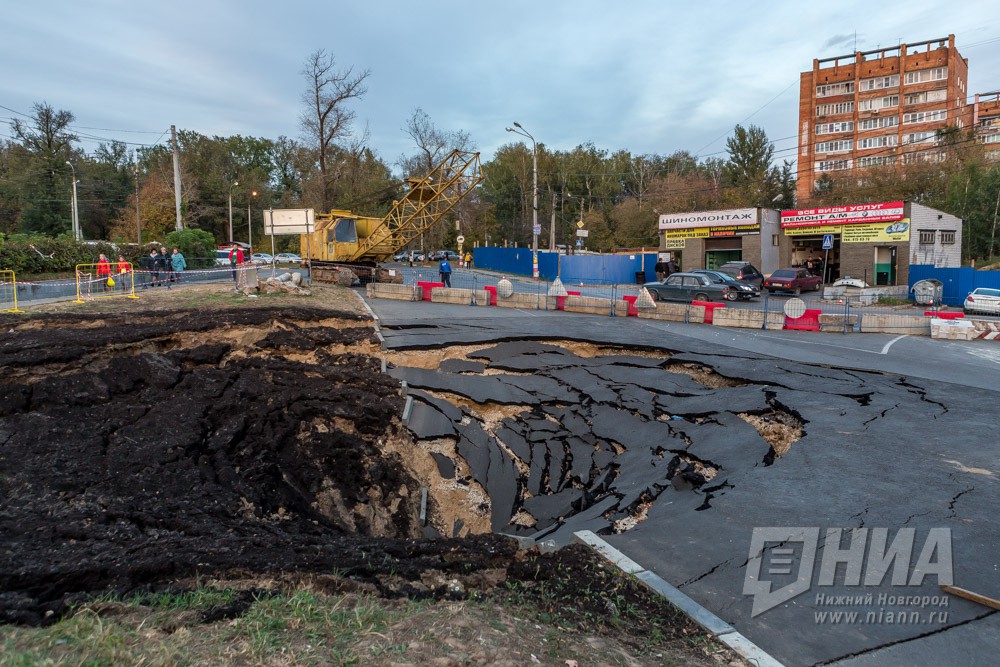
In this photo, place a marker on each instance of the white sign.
(696, 219)
(583, 232)
(281, 221)
(460, 239)
(537, 229)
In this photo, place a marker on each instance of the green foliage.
(27, 254)
(192, 242)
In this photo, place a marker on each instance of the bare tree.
(431, 142)
(327, 117)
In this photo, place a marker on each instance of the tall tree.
(328, 116)
(749, 171)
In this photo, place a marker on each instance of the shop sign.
(843, 215)
(712, 232)
(859, 233)
(813, 231)
(673, 244)
(705, 219)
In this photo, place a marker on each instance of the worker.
(468, 260)
(444, 270)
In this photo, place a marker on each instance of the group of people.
(162, 268)
(664, 268)
(106, 272)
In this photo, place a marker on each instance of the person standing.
(122, 270)
(235, 259)
(468, 260)
(168, 275)
(178, 263)
(661, 269)
(153, 261)
(672, 268)
(103, 271)
(444, 270)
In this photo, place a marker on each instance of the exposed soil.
(150, 448)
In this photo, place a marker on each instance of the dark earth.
(147, 449)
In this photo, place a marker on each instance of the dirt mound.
(167, 445)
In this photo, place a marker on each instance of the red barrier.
(710, 307)
(492, 289)
(632, 310)
(427, 286)
(808, 322)
(944, 315)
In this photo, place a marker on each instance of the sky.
(644, 76)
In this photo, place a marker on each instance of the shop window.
(774, 239)
(947, 237)
(927, 236)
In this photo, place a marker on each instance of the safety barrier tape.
(186, 272)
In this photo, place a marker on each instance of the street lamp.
(231, 186)
(249, 221)
(74, 211)
(535, 229)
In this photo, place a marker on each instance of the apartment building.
(986, 121)
(871, 108)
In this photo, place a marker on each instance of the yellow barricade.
(95, 282)
(8, 281)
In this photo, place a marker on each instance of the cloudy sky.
(646, 76)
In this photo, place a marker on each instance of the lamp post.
(249, 221)
(231, 186)
(74, 211)
(535, 229)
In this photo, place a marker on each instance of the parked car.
(261, 258)
(743, 271)
(738, 290)
(792, 280)
(687, 287)
(450, 255)
(222, 257)
(984, 300)
(404, 256)
(287, 258)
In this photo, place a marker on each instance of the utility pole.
(552, 224)
(535, 229)
(179, 225)
(74, 209)
(138, 219)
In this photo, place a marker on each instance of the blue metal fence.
(605, 269)
(957, 282)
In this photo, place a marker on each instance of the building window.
(876, 103)
(774, 239)
(876, 160)
(925, 75)
(927, 236)
(878, 123)
(880, 82)
(939, 95)
(833, 165)
(835, 89)
(991, 138)
(834, 109)
(925, 116)
(831, 128)
(919, 137)
(841, 146)
(947, 237)
(877, 142)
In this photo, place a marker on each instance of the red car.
(792, 280)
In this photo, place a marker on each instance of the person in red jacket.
(121, 269)
(103, 271)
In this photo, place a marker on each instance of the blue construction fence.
(957, 282)
(590, 269)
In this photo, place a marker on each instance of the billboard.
(281, 221)
(698, 219)
(867, 232)
(843, 215)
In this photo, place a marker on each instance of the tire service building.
(709, 239)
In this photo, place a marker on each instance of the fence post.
(847, 313)
(763, 325)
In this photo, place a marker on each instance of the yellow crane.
(342, 238)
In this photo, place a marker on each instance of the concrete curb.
(724, 632)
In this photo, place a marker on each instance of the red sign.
(843, 215)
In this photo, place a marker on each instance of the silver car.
(984, 300)
(687, 287)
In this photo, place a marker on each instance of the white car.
(983, 300)
(261, 258)
(287, 258)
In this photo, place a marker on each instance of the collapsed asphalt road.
(675, 450)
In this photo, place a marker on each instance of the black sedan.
(687, 287)
(738, 289)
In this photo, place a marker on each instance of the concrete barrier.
(454, 295)
(392, 291)
(952, 329)
(986, 329)
(527, 301)
(899, 324)
(588, 304)
(747, 319)
(835, 323)
(674, 312)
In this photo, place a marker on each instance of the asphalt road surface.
(898, 433)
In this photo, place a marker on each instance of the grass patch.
(893, 301)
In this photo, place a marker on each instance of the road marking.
(885, 348)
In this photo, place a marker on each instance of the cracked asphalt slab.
(650, 445)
